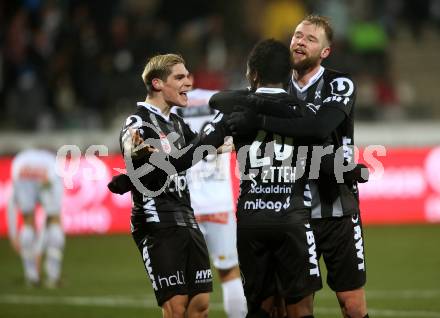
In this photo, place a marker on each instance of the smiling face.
(176, 86)
(309, 46)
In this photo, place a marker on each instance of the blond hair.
(322, 22)
(159, 66)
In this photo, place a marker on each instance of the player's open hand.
(139, 147)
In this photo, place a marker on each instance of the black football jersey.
(166, 201)
(329, 88)
(273, 185)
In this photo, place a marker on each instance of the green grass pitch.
(103, 276)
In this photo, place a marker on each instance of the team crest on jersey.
(165, 143)
(342, 86)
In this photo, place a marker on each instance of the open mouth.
(184, 94)
(299, 52)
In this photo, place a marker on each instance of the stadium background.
(70, 72)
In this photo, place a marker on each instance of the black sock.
(366, 316)
(309, 316)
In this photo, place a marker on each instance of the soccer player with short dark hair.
(336, 220)
(275, 241)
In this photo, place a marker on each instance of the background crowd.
(77, 64)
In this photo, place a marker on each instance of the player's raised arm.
(318, 127)
(227, 100)
(248, 113)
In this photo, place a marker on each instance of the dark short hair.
(271, 60)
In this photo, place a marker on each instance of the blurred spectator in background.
(209, 73)
(35, 182)
(73, 65)
(417, 14)
(279, 16)
(368, 39)
(435, 12)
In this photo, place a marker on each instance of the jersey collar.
(270, 90)
(312, 81)
(154, 109)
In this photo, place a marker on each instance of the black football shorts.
(176, 260)
(278, 261)
(341, 243)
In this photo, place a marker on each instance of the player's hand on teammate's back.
(243, 121)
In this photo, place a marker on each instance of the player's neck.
(279, 85)
(160, 103)
(302, 77)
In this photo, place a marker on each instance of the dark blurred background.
(69, 65)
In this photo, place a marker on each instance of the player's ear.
(325, 52)
(157, 84)
(254, 79)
